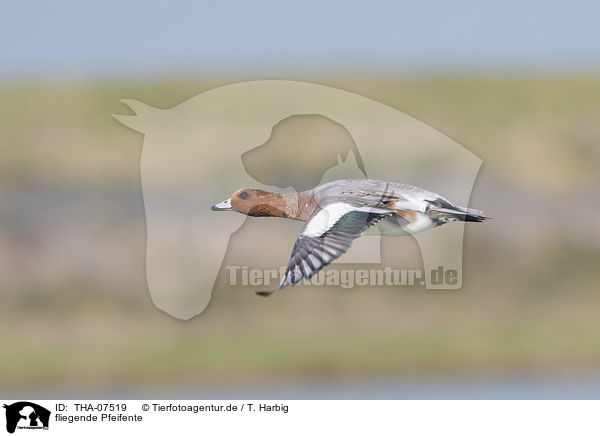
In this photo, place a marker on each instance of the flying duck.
(338, 212)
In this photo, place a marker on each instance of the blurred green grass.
(530, 300)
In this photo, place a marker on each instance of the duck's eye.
(244, 195)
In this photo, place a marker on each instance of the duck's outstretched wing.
(327, 235)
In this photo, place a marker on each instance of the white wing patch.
(331, 214)
(325, 219)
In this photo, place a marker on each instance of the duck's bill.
(226, 205)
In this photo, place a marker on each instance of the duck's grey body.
(418, 209)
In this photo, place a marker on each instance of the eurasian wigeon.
(338, 212)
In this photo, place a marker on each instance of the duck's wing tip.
(266, 293)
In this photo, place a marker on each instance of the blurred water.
(435, 388)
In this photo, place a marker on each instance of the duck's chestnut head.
(255, 202)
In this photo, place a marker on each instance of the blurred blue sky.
(71, 38)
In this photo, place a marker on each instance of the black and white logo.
(26, 415)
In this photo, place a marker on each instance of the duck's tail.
(445, 211)
(466, 214)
